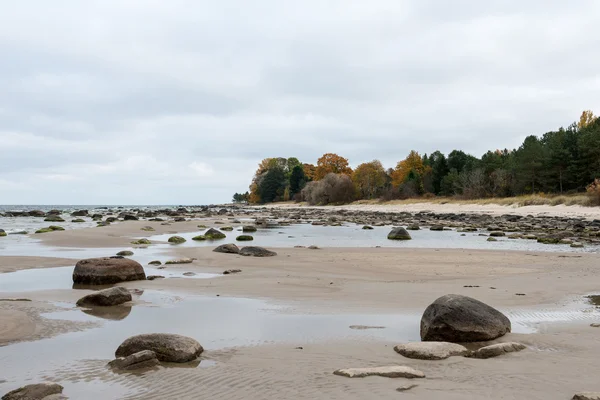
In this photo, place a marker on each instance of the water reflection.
(114, 313)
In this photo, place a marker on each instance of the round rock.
(168, 347)
(399, 233)
(107, 270)
(229, 248)
(106, 298)
(456, 318)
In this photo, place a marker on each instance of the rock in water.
(244, 238)
(396, 371)
(249, 228)
(168, 347)
(213, 234)
(456, 318)
(107, 270)
(2, 233)
(36, 391)
(139, 360)
(399, 233)
(176, 240)
(256, 251)
(105, 298)
(431, 350)
(227, 248)
(497, 349)
(587, 396)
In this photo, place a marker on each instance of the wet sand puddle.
(355, 236)
(78, 360)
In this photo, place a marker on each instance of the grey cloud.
(174, 102)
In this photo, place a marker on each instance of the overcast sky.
(176, 101)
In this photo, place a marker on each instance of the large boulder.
(214, 234)
(107, 270)
(399, 233)
(431, 350)
(229, 248)
(256, 251)
(456, 318)
(106, 298)
(168, 347)
(37, 391)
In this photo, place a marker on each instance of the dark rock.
(229, 248)
(176, 240)
(256, 251)
(456, 318)
(37, 391)
(213, 234)
(232, 271)
(125, 253)
(107, 270)
(54, 218)
(244, 238)
(139, 360)
(399, 233)
(130, 217)
(168, 347)
(80, 213)
(106, 298)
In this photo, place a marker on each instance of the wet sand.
(561, 358)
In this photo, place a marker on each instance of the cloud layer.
(156, 102)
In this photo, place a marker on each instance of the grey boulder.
(256, 251)
(229, 248)
(106, 298)
(37, 391)
(168, 347)
(455, 318)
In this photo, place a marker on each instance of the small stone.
(139, 360)
(153, 277)
(313, 247)
(189, 274)
(577, 245)
(180, 261)
(405, 388)
(141, 242)
(492, 239)
(256, 251)
(244, 238)
(232, 271)
(395, 371)
(229, 248)
(155, 262)
(125, 253)
(496, 350)
(595, 325)
(365, 327)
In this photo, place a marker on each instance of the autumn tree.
(587, 118)
(310, 172)
(413, 162)
(331, 163)
(369, 179)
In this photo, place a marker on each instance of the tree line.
(561, 161)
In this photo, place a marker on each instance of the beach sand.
(560, 360)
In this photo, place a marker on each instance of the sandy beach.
(560, 358)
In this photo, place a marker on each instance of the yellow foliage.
(587, 117)
(369, 178)
(332, 163)
(413, 162)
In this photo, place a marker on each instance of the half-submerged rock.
(399, 233)
(139, 360)
(37, 391)
(168, 347)
(456, 318)
(106, 298)
(107, 270)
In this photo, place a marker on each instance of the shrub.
(332, 189)
(593, 192)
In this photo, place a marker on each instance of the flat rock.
(232, 271)
(229, 248)
(496, 350)
(180, 261)
(107, 297)
(595, 325)
(395, 371)
(587, 396)
(404, 388)
(431, 350)
(256, 251)
(107, 270)
(37, 391)
(168, 347)
(139, 360)
(458, 319)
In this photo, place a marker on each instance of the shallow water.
(31, 280)
(355, 236)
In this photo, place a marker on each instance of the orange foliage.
(413, 162)
(332, 163)
(310, 171)
(369, 179)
